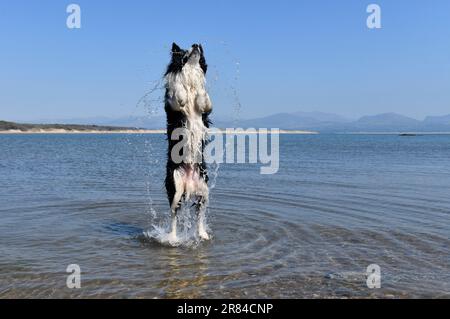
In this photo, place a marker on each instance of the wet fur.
(185, 116)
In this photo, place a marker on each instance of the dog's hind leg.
(175, 204)
(201, 206)
(202, 201)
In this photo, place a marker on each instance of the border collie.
(187, 106)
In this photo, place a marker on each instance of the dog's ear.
(201, 48)
(175, 48)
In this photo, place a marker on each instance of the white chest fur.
(186, 91)
(187, 94)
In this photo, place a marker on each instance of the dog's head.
(180, 58)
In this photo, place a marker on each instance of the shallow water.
(338, 204)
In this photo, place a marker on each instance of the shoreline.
(392, 133)
(62, 131)
(211, 131)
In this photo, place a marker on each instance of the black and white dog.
(187, 106)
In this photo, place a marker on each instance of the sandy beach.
(61, 131)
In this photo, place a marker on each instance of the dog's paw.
(172, 238)
(203, 102)
(204, 235)
(181, 97)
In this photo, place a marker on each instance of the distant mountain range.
(312, 121)
(333, 123)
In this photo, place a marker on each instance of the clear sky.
(271, 56)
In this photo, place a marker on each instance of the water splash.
(187, 234)
(152, 101)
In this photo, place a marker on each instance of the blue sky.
(271, 56)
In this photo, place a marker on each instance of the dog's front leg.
(177, 98)
(203, 102)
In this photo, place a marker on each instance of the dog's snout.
(196, 47)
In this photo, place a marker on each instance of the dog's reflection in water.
(182, 280)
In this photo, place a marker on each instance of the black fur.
(177, 119)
